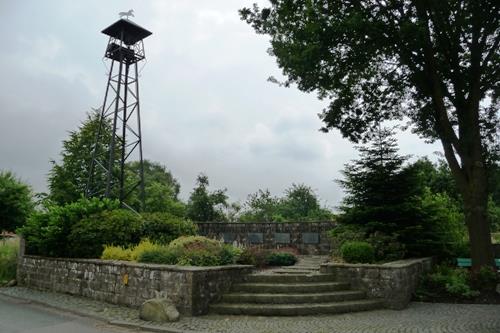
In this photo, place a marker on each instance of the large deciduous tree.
(69, 177)
(434, 63)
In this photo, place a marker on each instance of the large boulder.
(159, 310)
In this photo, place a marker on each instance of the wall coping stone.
(161, 267)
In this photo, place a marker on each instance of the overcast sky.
(206, 105)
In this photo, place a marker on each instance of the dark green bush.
(281, 259)
(450, 281)
(345, 233)
(254, 256)
(485, 279)
(229, 254)
(118, 227)
(162, 228)
(357, 252)
(46, 232)
(386, 247)
(160, 255)
(199, 257)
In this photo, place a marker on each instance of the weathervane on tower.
(126, 14)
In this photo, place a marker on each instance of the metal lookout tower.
(121, 110)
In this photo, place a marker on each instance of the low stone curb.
(120, 323)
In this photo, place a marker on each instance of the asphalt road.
(18, 316)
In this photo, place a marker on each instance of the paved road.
(22, 317)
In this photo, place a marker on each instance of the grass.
(8, 259)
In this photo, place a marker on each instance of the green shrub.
(253, 256)
(345, 233)
(116, 253)
(486, 278)
(46, 233)
(159, 255)
(229, 254)
(162, 228)
(199, 257)
(449, 280)
(281, 259)
(185, 243)
(357, 252)
(89, 235)
(386, 247)
(8, 259)
(192, 251)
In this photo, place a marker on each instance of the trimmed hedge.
(357, 252)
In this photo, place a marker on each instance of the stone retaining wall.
(394, 282)
(307, 237)
(126, 283)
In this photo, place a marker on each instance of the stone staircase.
(293, 291)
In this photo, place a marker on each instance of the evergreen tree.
(376, 192)
(408, 203)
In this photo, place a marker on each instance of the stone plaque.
(282, 237)
(310, 238)
(255, 237)
(228, 237)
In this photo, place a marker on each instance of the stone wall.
(307, 237)
(394, 282)
(126, 283)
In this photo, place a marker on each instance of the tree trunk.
(476, 217)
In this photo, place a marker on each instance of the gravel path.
(418, 317)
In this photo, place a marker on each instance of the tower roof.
(132, 33)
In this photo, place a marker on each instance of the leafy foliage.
(68, 179)
(435, 63)
(160, 186)
(192, 251)
(392, 203)
(300, 203)
(8, 259)
(448, 281)
(89, 235)
(129, 254)
(204, 205)
(357, 252)
(15, 202)
(162, 228)
(46, 232)
(160, 255)
(281, 259)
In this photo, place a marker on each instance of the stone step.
(294, 288)
(335, 296)
(289, 278)
(295, 309)
(290, 271)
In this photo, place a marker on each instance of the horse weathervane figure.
(126, 14)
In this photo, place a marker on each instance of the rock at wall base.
(11, 283)
(159, 310)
